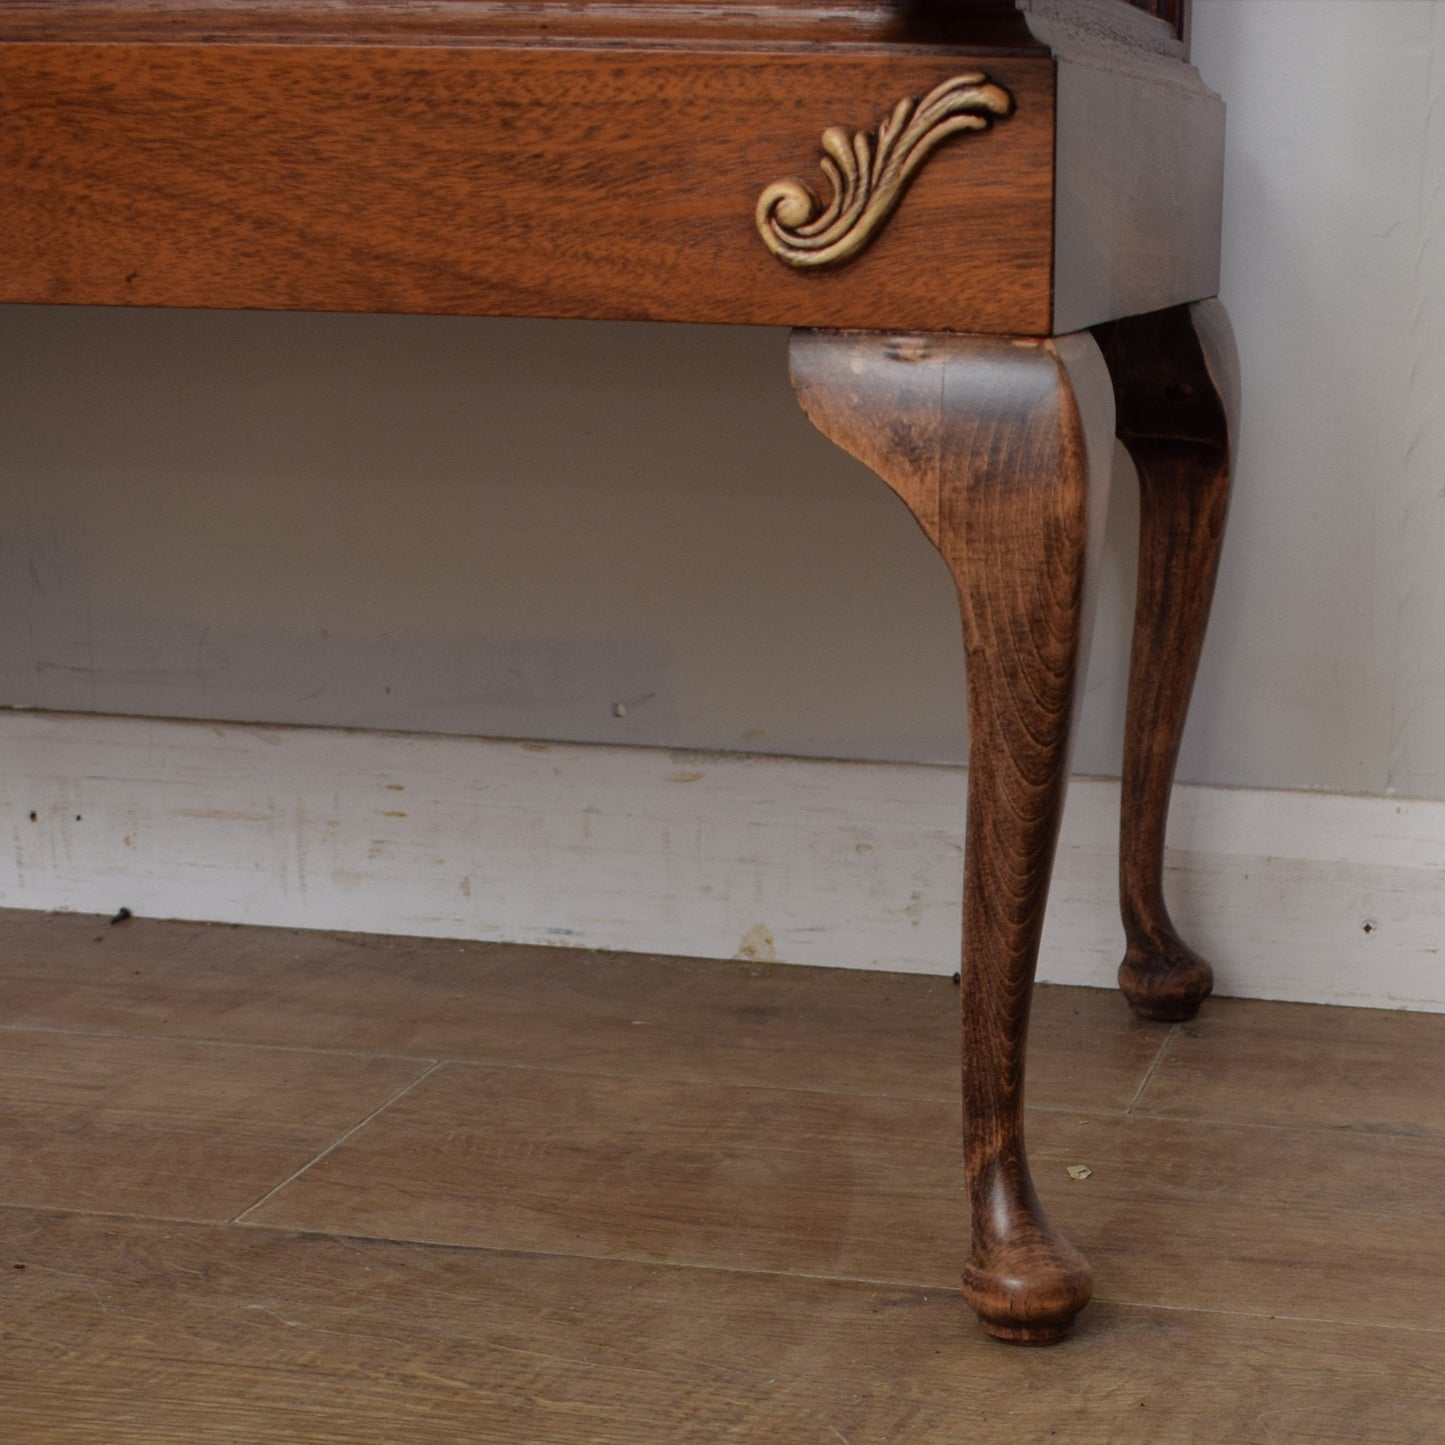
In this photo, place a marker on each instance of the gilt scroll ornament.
(868, 178)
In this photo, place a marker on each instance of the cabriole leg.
(1174, 376)
(1001, 449)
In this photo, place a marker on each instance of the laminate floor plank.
(661, 1200)
(125, 1332)
(697, 1174)
(171, 1127)
(724, 1022)
(1252, 1061)
(1266, 1221)
(857, 1187)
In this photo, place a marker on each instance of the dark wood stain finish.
(994, 26)
(593, 160)
(986, 442)
(1175, 379)
(499, 180)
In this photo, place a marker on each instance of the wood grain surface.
(175, 1128)
(1178, 1214)
(791, 1180)
(594, 159)
(124, 1332)
(1001, 450)
(502, 180)
(1362, 1071)
(1138, 189)
(1228, 1309)
(706, 1021)
(987, 25)
(1176, 382)
(1250, 1219)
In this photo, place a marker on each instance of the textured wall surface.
(629, 534)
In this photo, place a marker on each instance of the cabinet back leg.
(1175, 382)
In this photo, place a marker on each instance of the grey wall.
(512, 528)
(493, 527)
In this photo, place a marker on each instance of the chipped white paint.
(854, 864)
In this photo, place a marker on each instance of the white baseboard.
(1292, 896)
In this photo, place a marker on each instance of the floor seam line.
(1334, 1320)
(341, 1139)
(211, 1042)
(1153, 1068)
(946, 1097)
(943, 1288)
(912, 1286)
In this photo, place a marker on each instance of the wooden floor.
(267, 1186)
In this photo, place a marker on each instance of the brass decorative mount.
(868, 177)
